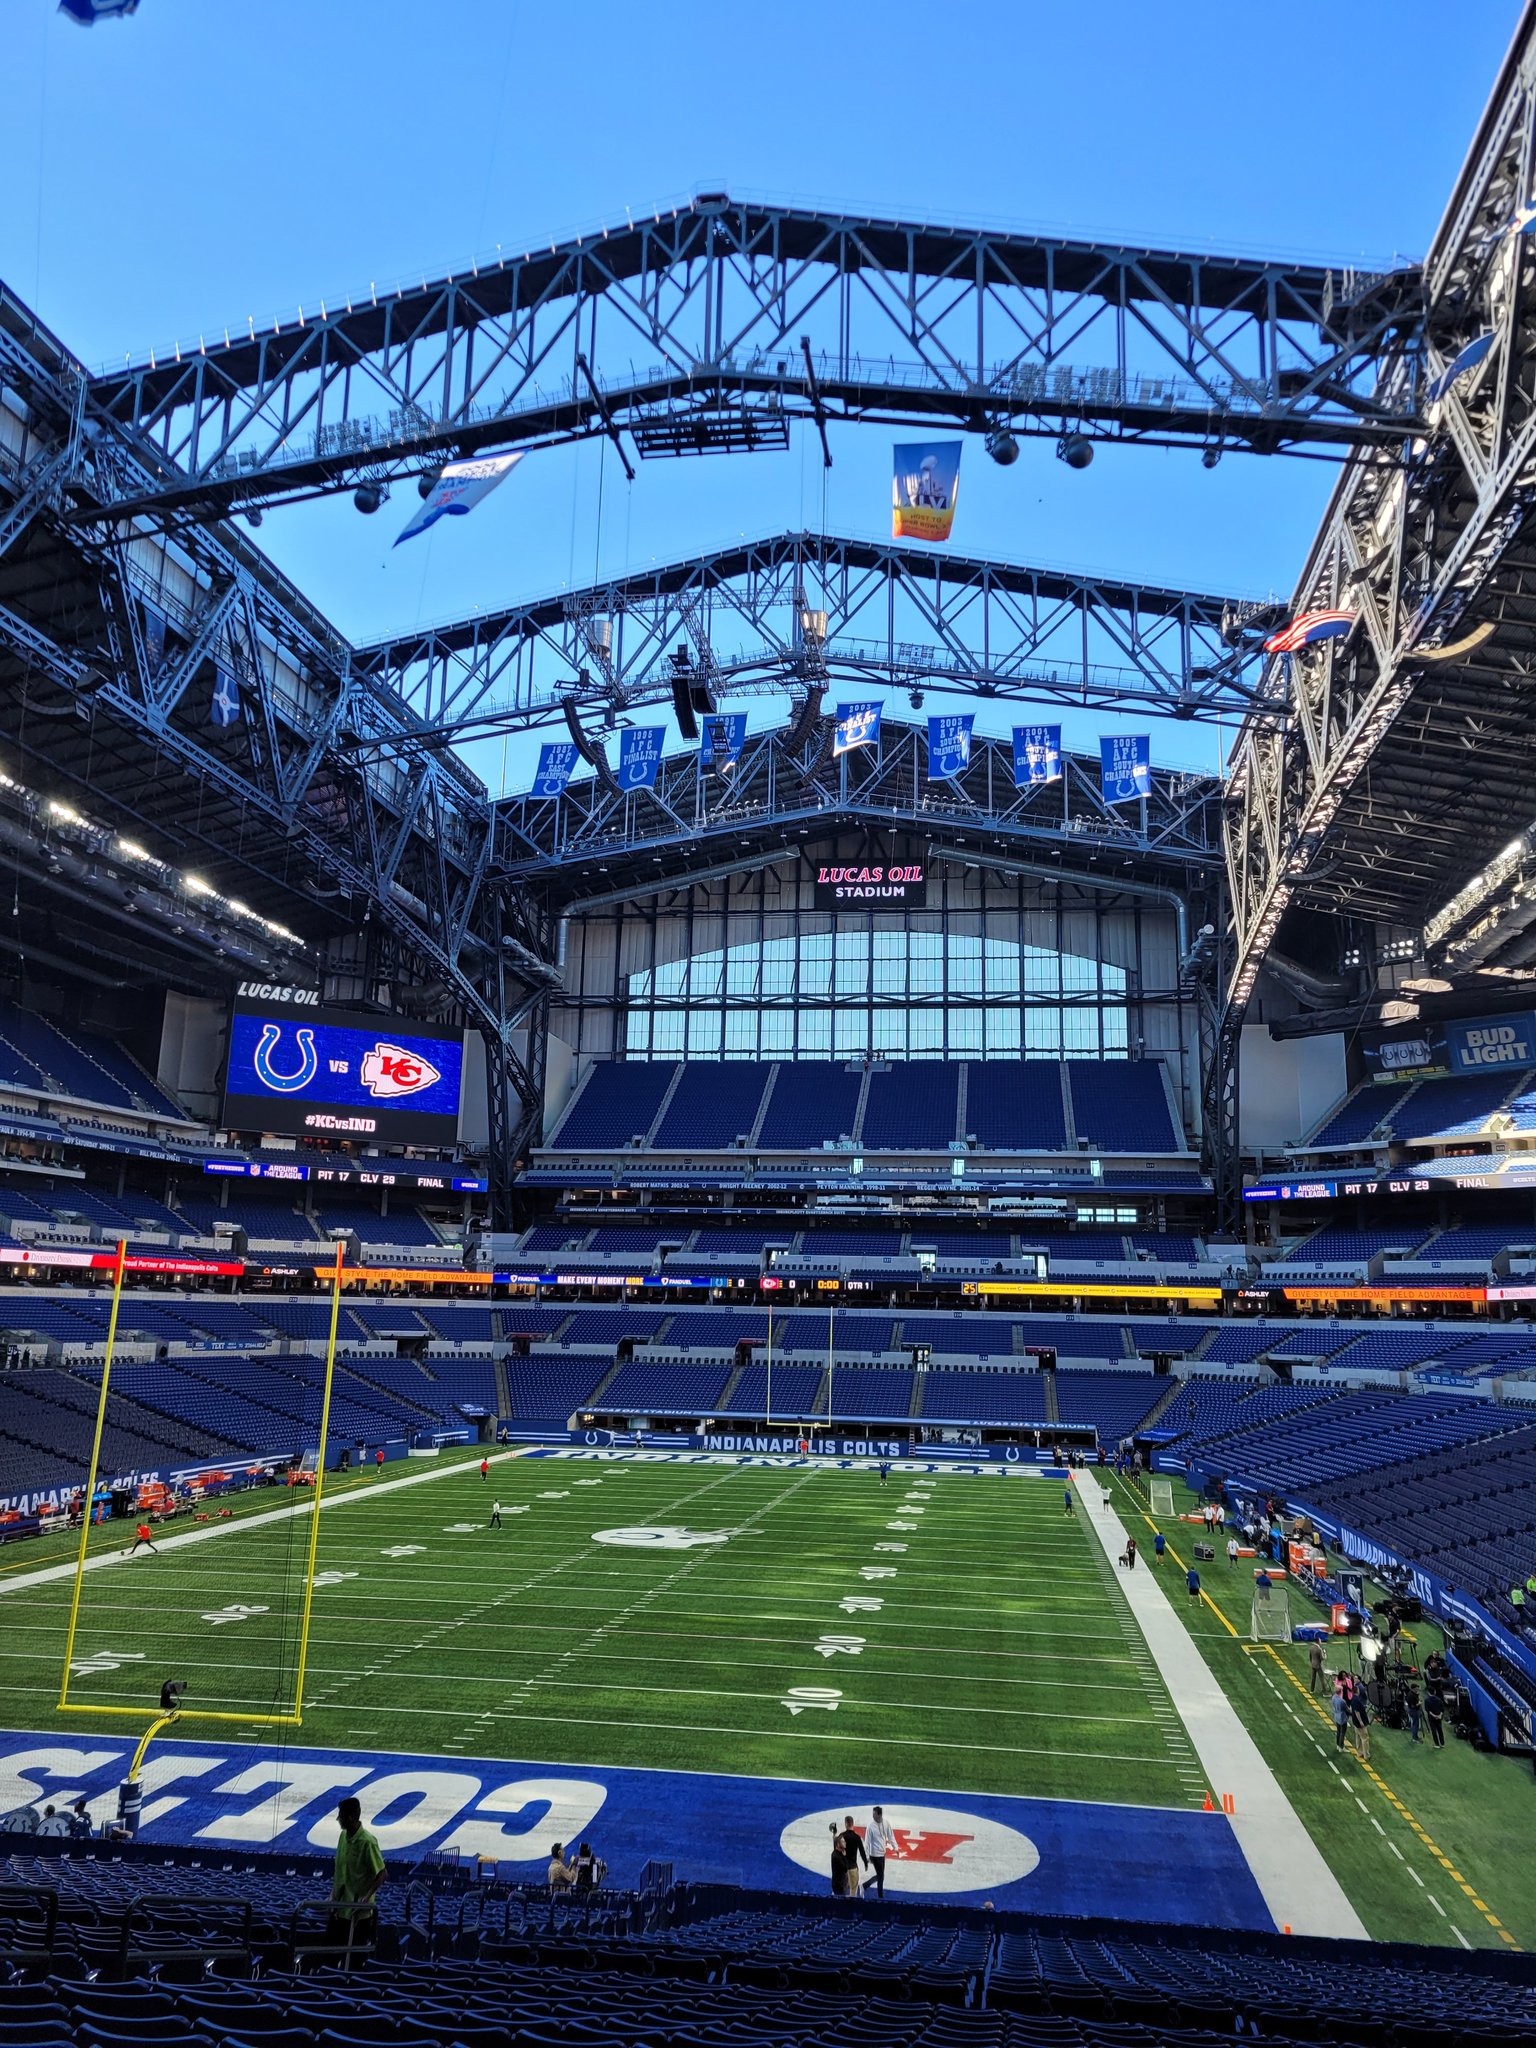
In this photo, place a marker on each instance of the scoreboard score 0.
(901, 885)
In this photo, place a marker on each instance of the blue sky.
(211, 159)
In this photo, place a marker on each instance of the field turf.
(986, 1649)
(974, 1637)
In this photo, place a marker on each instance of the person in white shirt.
(879, 1841)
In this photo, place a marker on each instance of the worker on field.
(378, 1462)
(1159, 1545)
(495, 1514)
(359, 1871)
(1192, 1580)
(1066, 1494)
(141, 1537)
(485, 1468)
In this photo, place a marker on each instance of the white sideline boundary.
(1289, 1869)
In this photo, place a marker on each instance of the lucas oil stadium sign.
(903, 885)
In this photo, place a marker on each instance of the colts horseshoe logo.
(285, 1084)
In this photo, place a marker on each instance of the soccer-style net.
(1271, 1621)
(1161, 1491)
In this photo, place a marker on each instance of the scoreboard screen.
(897, 885)
(311, 1073)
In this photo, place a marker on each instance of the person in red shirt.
(485, 1468)
(378, 1462)
(141, 1535)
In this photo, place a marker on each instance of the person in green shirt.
(359, 1873)
(1517, 1596)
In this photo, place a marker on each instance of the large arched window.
(903, 994)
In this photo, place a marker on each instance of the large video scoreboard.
(307, 1072)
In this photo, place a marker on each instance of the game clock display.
(312, 1073)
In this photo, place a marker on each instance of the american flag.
(1308, 627)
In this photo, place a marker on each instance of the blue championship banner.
(1125, 766)
(640, 756)
(1036, 755)
(949, 744)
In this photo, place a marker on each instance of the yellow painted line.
(1387, 1793)
(1374, 1775)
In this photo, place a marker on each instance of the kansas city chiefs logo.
(937, 1849)
(389, 1071)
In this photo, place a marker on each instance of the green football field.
(701, 1616)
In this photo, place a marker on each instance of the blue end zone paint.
(1153, 1864)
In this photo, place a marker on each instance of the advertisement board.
(307, 1072)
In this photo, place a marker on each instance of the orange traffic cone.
(1210, 1804)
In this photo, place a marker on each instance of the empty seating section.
(1016, 1106)
(959, 1336)
(715, 1104)
(618, 1101)
(950, 1243)
(643, 1239)
(822, 1242)
(1210, 1408)
(1331, 1247)
(1242, 1343)
(1114, 1402)
(813, 1102)
(548, 1389)
(463, 1382)
(839, 1333)
(1393, 1350)
(37, 1054)
(1168, 1247)
(454, 1322)
(720, 1967)
(1181, 1338)
(379, 1319)
(1122, 1105)
(1479, 1241)
(640, 1388)
(1000, 1397)
(1471, 1523)
(709, 1329)
(748, 1239)
(608, 1326)
(556, 1237)
(1350, 1433)
(1078, 1338)
(52, 1416)
(872, 1393)
(1359, 1114)
(1452, 1108)
(911, 1107)
(794, 1389)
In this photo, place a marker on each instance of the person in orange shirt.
(142, 1536)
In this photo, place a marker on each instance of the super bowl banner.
(1125, 766)
(459, 489)
(858, 725)
(557, 763)
(924, 486)
(1036, 755)
(640, 756)
(721, 738)
(949, 743)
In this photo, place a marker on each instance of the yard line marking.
(1460, 1936)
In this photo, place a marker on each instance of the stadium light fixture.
(130, 849)
(63, 813)
(196, 886)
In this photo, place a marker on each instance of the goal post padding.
(1161, 1491)
(1270, 1621)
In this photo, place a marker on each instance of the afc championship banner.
(1125, 766)
(1036, 755)
(557, 764)
(949, 744)
(640, 756)
(309, 1072)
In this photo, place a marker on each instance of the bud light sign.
(1492, 1042)
(335, 1073)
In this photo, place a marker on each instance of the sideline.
(48, 1574)
(1297, 1884)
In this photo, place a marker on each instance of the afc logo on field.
(937, 1848)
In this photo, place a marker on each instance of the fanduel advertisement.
(311, 1073)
